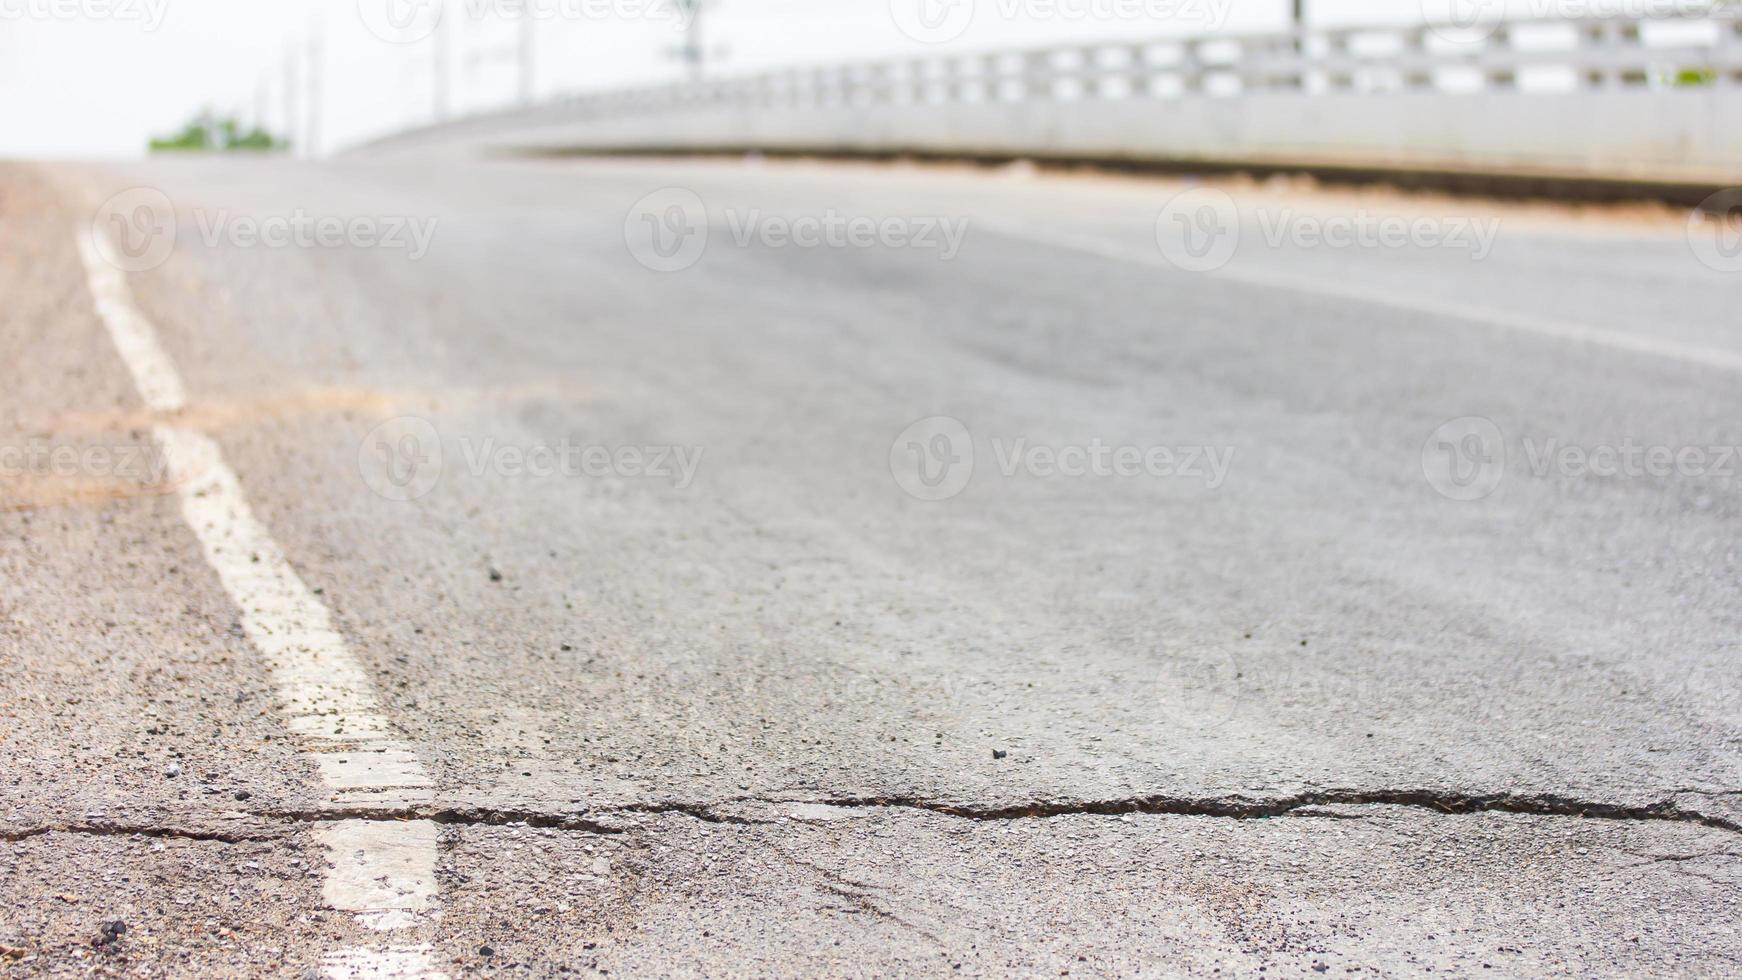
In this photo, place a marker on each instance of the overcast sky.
(95, 78)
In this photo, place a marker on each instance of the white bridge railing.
(1618, 100)
(1573, 54)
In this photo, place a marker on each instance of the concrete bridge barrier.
(1635, 106)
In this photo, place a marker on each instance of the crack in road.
(1680, 858)
(1233, 807)
(140, 830)
(1250, 808)
(462, 816)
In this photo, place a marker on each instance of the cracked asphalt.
(785, 716)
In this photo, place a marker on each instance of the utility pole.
(528, 36)
(1302, 48)
(291, 87)
(314, 78)
(517, 56)
(439, 83)
(263, 105)
(691, 52)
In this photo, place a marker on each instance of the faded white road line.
(1711, 357)
(383, 873)
(393, 963)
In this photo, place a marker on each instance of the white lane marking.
(153, 372)
(317, 679)
(388, 869)
(386, 769)
(397, 963)
(1712, 357)
(383, 873)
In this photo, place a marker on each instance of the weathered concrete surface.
(630, 665)
(1605, 144)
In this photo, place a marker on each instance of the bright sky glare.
(96, 78)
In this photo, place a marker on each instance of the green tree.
(209, 133)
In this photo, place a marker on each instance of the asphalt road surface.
(419, 567)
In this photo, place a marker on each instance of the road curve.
(742, 568)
